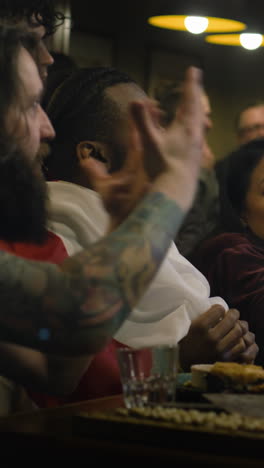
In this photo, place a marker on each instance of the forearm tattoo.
(77, 307)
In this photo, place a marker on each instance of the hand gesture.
(161, 160)
(208, 159)
(218, 336)
(122, 190)
(176, 150)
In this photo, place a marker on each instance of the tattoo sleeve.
(77, 307)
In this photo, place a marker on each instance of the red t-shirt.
(102, 377)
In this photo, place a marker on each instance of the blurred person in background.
(40, 17)
(250, 122)
(204, 213)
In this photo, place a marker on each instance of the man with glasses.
(250, 122)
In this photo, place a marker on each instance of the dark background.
(232, 75)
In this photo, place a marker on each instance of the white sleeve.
(178, 294)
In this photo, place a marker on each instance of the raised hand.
(208, 160)
(158, 160)
(122, 190)
(177, 151)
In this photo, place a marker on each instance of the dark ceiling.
(126, 22)
(118, 18)
(232, 75)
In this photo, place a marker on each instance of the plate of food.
(228, 377)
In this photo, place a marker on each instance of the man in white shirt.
(90, 114)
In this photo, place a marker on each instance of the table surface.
(51, 433)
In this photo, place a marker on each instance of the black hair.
(43, 12)
(79, 110)
(235, 181)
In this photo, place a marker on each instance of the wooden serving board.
(247, 404)
(110, 425)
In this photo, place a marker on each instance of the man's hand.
(208, 159)
(217, 336)
(248, 356)
(122, 190)
(176, 150)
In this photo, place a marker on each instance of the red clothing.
(52, 250)
(102, 377)
(233, 263)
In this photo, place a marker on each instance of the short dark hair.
(43, 12)
(11, 41)
(234, 185)
(80, 110)
(256, 103)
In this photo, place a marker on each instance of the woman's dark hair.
(11, 41)
(79, 110)
(43, 12)
(235, 181)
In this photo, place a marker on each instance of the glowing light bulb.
(196, 24)
(251, 41)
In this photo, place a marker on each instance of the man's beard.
(23, 194)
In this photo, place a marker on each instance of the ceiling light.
(251, 41)
(196, 24)
(231, 39)
(177, 22)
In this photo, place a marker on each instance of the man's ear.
(85, 149)
(93, 149)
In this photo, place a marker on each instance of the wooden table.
(48, 435)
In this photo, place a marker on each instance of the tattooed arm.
(56, 375)
(74, 309)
